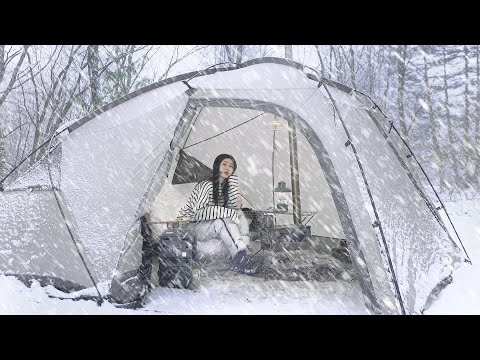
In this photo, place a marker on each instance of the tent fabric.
(405, 157)
(408, 223)
(116, 158)
(118, 163)
(34, 240)
(38, 176)
(190, 170)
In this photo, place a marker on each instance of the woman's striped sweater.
(200, 204)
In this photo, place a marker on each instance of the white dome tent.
(123, 160)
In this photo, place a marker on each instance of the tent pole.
(292, 140)
(273, 166)
(377, 222)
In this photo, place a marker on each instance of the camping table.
(305, 214)
(274, 237)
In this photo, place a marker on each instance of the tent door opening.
(273, 159)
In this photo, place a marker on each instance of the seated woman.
(214, 206)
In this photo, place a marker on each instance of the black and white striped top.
(200, 204)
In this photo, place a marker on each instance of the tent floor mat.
(298, 265)
(294, 265)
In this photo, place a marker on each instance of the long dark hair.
(216, 178)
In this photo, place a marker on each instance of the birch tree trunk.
(351, 64)
(289, 52)
(437, 155)
(401, 72)
(450, 131)
(320, 58)
(390, 71)
(469, 166)
(477, 120)
(93, 74)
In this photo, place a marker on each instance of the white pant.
(235, 237)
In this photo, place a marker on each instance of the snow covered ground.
(462, 296)
(239, 294)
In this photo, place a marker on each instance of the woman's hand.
(239, 200)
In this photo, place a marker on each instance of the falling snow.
(73, 216)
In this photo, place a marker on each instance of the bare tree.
(54, 97)
(260, 50)
(466, 95)
(43, 98)
(350, 58)
(128, 69)
(5, 58)
(239, 54)
(433, 126)
(4, 166)
(335, 62)
(390, 72)
(234, 53)
(126, 72)
(114, 71)
(450, 131)
(375, 64)
(331, 65)
(320, 58)
(476, 175)
(289, 52)
(401, 52)
(468, 138)
(65, 82)
(93, 59)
